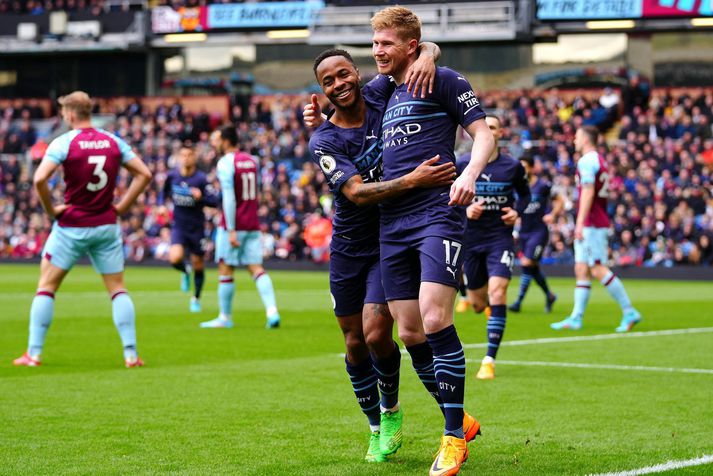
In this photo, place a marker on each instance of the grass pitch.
(255, 401)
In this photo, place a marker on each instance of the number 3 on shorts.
(98, 161)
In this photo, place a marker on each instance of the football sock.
(40, 319)
(541, 281)
(496, 328)
(198, 280)
(226, 289)
(122, 309)
(422, 360)
(581, 297)
(449, 365)
(267, 292)
(528, 273)
(387, 371)
(366, 389)
(180, 266)
(616, 290)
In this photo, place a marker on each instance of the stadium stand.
(661, 152)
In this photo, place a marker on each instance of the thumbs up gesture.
(312, 113)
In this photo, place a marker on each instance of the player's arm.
(428, 174)
(40, 180)
(226, 174)
(524, 196)
(211, 197)
(463, 189)
(422, 73)
(557, 209)
(141, 177)
(586, 200)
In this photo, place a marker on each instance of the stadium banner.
(262, 15)
(616, 9)
(677, 8)
(184, 19)
(588, 9)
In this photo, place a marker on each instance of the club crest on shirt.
(327, 163)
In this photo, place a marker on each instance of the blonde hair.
(404, 21)
(79, 102)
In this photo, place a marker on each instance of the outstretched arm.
(428, 174)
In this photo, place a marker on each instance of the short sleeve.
(124, 149)
(226, 173)
(336, 166)
(379, 89)
(59, 148)
(457, 96)
(588, 166)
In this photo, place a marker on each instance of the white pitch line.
(627, 335)
(578, 365)
(660, 468)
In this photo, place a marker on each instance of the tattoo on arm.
(371, 193)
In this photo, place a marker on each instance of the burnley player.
(238, 241)
(189, 190)
(488, 246)
(534, 235)
(421, 231)
(591, 247)
(86, 224)
(348, 149)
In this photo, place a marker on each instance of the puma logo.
(452, 271)
(372, 136)
(487, 177)
(461, 78)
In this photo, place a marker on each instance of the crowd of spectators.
(660, 154)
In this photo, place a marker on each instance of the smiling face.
(391, 52)
(340, 80)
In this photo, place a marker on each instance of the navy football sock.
(528, 273)
(388, 372)
(199, 280)
(422, 360)
(449, 365)
(541, 281)
(180, 266)
(366, 389)
(496, 328)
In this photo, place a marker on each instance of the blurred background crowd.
(659, 145)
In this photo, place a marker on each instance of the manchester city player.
(591, 247)
(348, 149)
(189, 190)
(86, 224)
(534, 234)
(422, 231)
(488, 247)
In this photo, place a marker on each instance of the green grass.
(253, 401)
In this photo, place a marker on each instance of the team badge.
(327, 163)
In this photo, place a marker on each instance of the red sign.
(677, 8)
